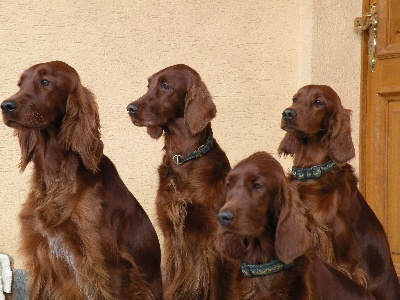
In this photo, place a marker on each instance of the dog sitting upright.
(191, 180)
(347, 233)
(83, 234)
(263, 226)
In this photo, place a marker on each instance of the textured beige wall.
(336, 54)
(252, 55)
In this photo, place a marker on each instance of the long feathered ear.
(292, 238)
(288, 145)
(80, 129)
(199, 107)
(340, 145)
(28, 139)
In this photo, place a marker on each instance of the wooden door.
(380, 123)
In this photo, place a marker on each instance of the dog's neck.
(260, 250)
(310, 151)
(49, 159)
(179, 139)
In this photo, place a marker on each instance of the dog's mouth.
(239, 235)
(288, 124)
(299, 132)
(139, 122)
(229, 233)
(288, 127)
(235, 239)
(240, 240)
(14, 124)
(136, 122)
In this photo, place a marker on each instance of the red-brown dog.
(84, 235)
(263, 226)
(191, 188)
(347, 233)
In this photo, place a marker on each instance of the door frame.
(363, 104)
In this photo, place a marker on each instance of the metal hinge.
(369, 22)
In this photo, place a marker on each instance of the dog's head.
(174, 92)
(317, 112)
(261, 205)
(51, 101)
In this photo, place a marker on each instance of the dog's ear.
(154, 132)
(292, 239)
(199, 107)
(80, 129)
(288, 145)
(340, 144)
(28, 139)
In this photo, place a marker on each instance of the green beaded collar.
(264, 269)
(315, 172)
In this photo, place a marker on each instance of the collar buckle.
(203, 149)
(177, 159)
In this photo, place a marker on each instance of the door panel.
(394, 21)
(393, 213)
(380, 123)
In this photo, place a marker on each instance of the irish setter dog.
(83, 235)
(191, 181)
(263, 225)
(347, 233)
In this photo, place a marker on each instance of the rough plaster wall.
(336, 57)
(329, 53)
(246, 53)
(253, 56)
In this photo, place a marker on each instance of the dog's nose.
(288, 114)
(225, 217)
(132, 109)
(8, 106)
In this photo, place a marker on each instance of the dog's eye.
(228, 186)
(45, 82)
(257, 186)
(294, 99)
(318, 102)
(165, 87)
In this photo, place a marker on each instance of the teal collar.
(315, 172)
(203, 149)
(265, 269)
